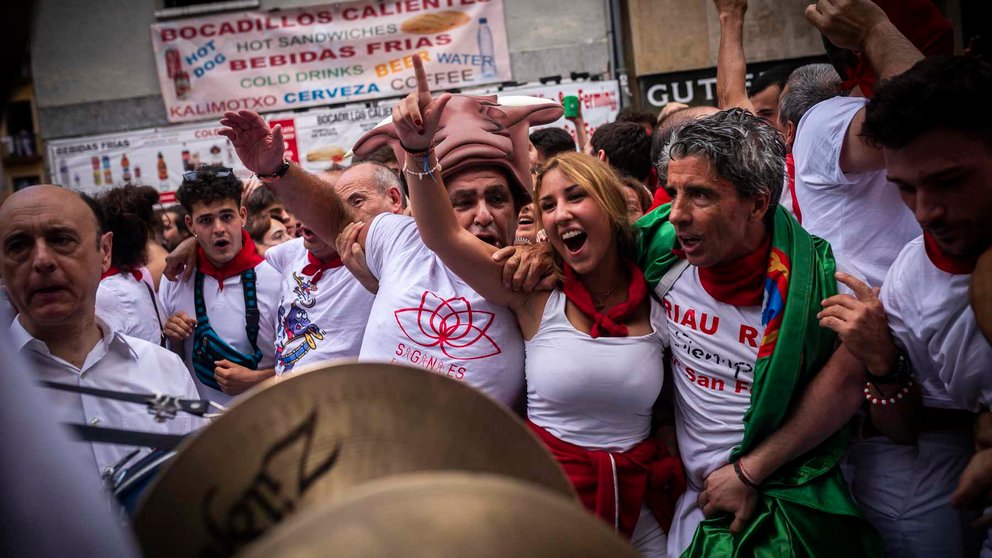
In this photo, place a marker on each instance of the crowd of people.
(741, 330)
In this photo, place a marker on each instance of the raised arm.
(862, 25)
(731, 68)
(416, 119)
(261, 151)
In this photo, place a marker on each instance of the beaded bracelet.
(885, 401)
(427, 171)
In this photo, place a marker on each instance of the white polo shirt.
(426, 316)
(860, 214)
(316, 321)
(127, 305)
(226, 311)
(929, 315)
(120, 363)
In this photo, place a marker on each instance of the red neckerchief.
(740, 282)
(114, 270)
(790, 169)
(955, 265)
(244, 260)
(646, 474)
(661, 197)
(610, 323)
(317, 267)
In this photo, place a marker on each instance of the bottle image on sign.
(187, 164)
(486, 50)
(173, 62)
(181, 80)
(64, 173)
(137, 173)
(163, 172)
(96, 170)
(108, 176)
(126, 168)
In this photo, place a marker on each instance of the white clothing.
(318, 321)
(594, 393)
(905, 490)
(128, 307)
(929, 315)
(598, 394)
(714, 349)
(424, 315)
(120, 363)
(226, 311)
(860, 214)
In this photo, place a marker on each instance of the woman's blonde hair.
(605, 187)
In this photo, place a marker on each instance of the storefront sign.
(698, 87)
(326, 55)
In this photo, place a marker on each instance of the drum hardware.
(164, 407)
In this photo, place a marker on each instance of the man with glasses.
(222, 322)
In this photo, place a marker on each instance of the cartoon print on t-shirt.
(297, 331)
(304, 290)
(451, 325)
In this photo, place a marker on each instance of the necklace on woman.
(600, 301)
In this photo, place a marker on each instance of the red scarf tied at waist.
(609, 323)
(646, 474)
(316, 268)
(244, 260)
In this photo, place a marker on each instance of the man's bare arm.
(828, 403)
(310, 199)
(862, 25)
(731, 66)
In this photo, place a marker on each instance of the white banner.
(315, 139)
(324, 55)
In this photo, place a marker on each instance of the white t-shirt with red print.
(714, 348)
(424, 315)
(929, 315)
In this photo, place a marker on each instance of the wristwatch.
(280, 172)
(902, 373)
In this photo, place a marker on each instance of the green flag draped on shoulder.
(804, 509)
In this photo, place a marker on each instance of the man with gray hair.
(761, 392)
(327, 289)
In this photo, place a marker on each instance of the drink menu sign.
(323, 55)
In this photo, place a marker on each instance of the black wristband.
(902, 374)
(279, 173)
(417, 152)
(743, 478)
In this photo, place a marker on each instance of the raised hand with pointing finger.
(417, 116)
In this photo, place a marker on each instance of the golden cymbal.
(307, 437)
(981, 293)
(425, 515)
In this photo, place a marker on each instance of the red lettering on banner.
(749, 334)
(289, 136)
(741, 386)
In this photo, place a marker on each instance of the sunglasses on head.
(192, 175)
